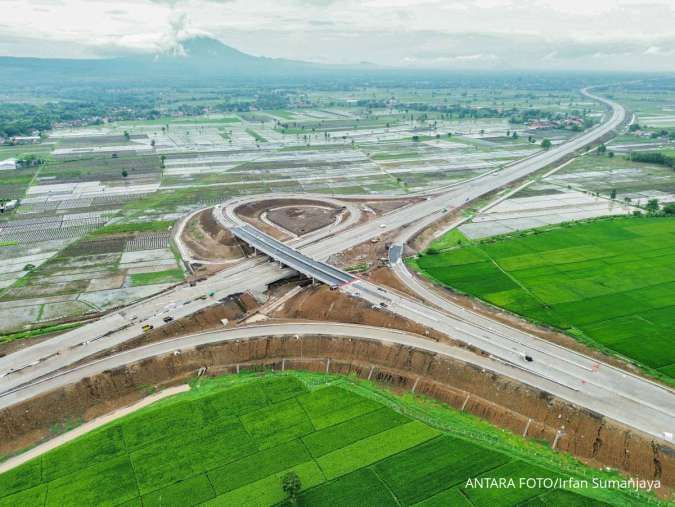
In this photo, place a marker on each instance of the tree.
(546, 144)
(124, 173)
(416, 138)
(126, 135)
(514, 134)
(602, 149)
(652, 206)
(610, 154)
(162, 158)
(669, 209)
(291, 485)
(612, 194)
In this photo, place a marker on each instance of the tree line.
(653, 157)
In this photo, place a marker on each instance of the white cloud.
(628, 34)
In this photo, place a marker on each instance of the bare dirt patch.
(251, 212)
(321, 303)
(302, 219)
(373, 252)
(385, 276)
(208, 241)
(383, 206)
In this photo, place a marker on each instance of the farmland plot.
(610, 282)
(112, 266)
(552, 206)
(230, 441)
(635, 181)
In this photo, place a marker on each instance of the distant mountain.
(210, 56)
(207, 48)
(191, 60)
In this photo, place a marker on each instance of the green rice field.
(230, 440)
(610, 282)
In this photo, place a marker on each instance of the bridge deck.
(291, 257)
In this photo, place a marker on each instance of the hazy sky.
(502, 34)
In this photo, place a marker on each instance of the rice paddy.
(608, 282)
(230, 440)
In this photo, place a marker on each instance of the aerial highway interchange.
(569, 375)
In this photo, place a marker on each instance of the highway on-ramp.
(632, 412)
(33, 362)
(568, 374)
(572, 376)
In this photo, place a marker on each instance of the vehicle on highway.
(148, 327)
(167, 319)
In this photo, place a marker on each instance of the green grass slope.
(608, 282)
(230, 440)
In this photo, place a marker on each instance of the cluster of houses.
(32, 139)
(572, 122)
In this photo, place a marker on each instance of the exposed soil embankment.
(372, 252)
(422, 239)
(382, 206)
(385, 276)
(209, 241)
(322, 304)
(505, 403)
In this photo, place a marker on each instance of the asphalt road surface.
(30, 363)
(574, 377)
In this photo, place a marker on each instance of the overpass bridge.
(290, 257)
